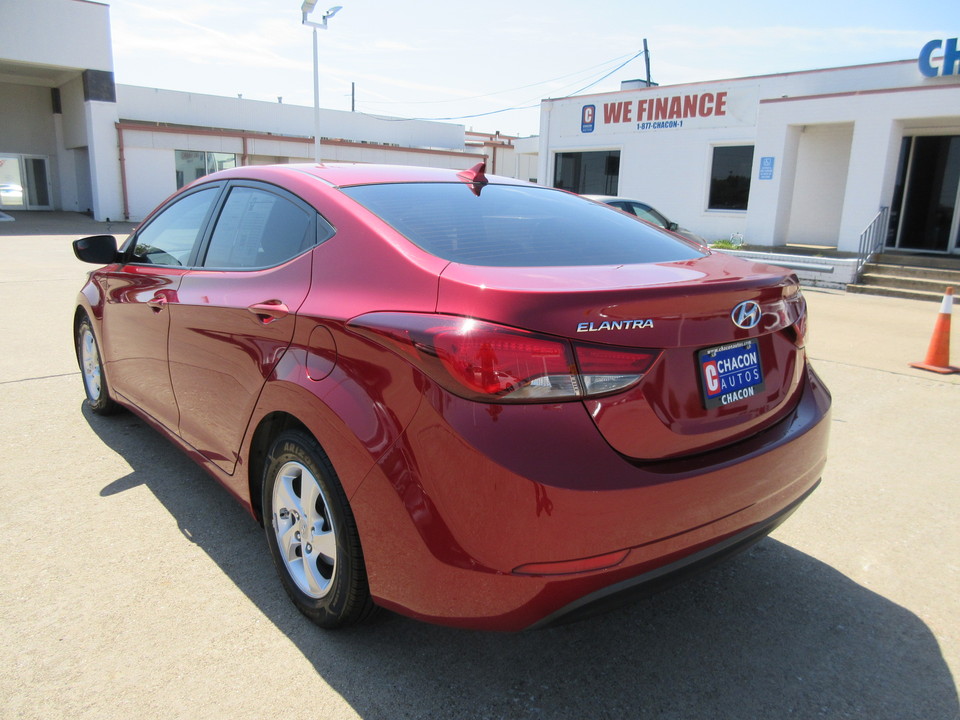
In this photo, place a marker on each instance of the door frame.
(29, 188)
(953, 238)
(31, 205)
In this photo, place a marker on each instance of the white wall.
(103, 151)
(151, 177)
(669, 166)
(74, 115)
(820, 183)
(54, 41)
(880, 120)
(527, 159)
(168, 106)
(26, 119)
(84, 189)
(30, 127)
(150, 160)
(57, 33)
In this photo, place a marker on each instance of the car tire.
(91, 368)
(312, 533)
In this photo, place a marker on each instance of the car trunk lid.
(682, 309)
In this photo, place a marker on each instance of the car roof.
(347, 174)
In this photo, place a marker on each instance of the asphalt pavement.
(132, 585)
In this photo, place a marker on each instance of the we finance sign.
(648, 112)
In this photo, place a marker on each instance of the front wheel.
(91, 367)
(312, 534)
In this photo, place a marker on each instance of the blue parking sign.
(766, 168)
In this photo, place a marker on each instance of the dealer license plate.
(730, 373)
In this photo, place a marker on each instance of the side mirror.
(672, 226)
(96, 249)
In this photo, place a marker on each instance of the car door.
(236, 312)
(139, 293)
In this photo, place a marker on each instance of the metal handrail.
(872, 238)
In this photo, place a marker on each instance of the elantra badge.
(638, 324)
(746, 315)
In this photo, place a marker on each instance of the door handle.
(157, 303)
(269, 310)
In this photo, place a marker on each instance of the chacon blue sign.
(949, 64)
(588, 118)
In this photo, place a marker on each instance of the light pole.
(307, 8)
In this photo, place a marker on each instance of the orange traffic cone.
(938, 354)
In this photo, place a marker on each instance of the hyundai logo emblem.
(746, 315)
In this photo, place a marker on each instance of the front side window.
(258, 229)
(516, 226)
(588, 173)
(171, 235)
(730, 177)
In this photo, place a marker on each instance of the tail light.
(492, 363)
(799, 327)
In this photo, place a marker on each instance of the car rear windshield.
(517, 226)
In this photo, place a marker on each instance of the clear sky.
(450, 58)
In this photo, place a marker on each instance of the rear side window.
(644, 213)
(258, 229)
(171, 235)
(516, 226)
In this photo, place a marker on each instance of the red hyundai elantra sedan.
(471, 400)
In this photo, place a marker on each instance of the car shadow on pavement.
(773, 633)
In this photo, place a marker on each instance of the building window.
(192, 164)
(730, 177)
(588, 173)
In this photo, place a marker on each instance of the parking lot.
(132, 585)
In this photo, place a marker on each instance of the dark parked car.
(471, 400)
(647, 212)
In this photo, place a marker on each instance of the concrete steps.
(939, 262)
(917, 277)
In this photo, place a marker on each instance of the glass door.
(25, 183)
(38, 182)
(928, 195)
(12, 195)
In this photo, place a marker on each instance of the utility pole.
(307, 8)
(646, 57)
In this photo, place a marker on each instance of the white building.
(167, 139)
(805, 158)
(71, 139)
(57, 108)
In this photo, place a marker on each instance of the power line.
(497, 92)
(622, 65)
(517, 107)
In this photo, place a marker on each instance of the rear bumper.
(471, 493)
(667, 575)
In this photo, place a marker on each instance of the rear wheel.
(312, 534)
(91, 367)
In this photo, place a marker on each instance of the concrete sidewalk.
(132, 585)
(879, 333)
